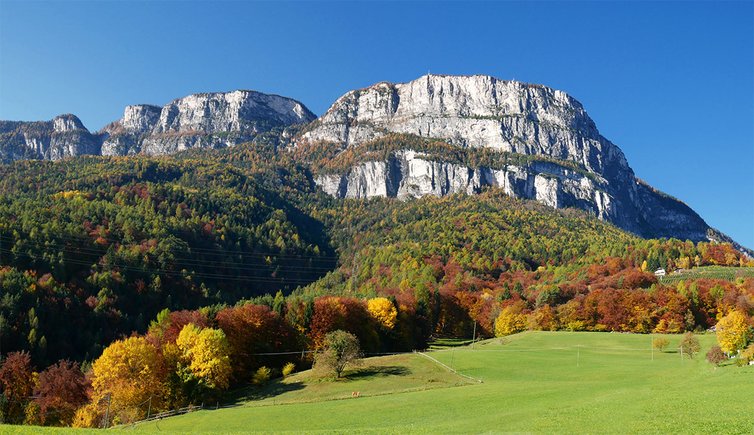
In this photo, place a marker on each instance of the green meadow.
(531, 382)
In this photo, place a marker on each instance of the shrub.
(689, 344)
(261, 376)
(288, 368)
(715, 355)
(660, 343)
(746, 355)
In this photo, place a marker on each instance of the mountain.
(209, 120)
(63, 136)
(530, 140)
(436, 135)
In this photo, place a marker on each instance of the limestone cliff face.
(213, 120)
(508, 116)
(63, 136)
(472, 111)
(408, 174)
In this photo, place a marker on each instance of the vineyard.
(710, 272)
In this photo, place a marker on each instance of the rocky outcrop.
(408, 174)
(63, 136)
(213, 120)
(472, 111)
(507, 116)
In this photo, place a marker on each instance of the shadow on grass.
(443, 343)
(373, 372)
(275, 388)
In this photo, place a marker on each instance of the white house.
(660, 272)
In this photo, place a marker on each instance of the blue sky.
(671, 83)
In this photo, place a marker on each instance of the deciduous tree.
(383, 311)
(60, 391)
(511, 320)
(340, 349)
(689, 344)
(733, 332)
(204, 357)
(17, 381)
(128, 375)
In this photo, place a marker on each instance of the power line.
(192, 249)
(183, 261)
(187, 274)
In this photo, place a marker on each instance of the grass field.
(532, 382)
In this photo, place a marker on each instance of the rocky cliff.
(401, 140)
(578, 166)
(212, 120)
(63, 136)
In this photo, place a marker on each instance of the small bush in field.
(715, 355)
(288, 369)
(261, 376)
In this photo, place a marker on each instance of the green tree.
(690, 344)
(340, 349)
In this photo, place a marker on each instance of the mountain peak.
(530, 140)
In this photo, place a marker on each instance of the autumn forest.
(134, 284)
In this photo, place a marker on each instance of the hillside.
(116, 240)
(435, 135)
(533, 382)
(125, 264)
(101, 245)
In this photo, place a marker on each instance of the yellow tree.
(383, 311)
(511, 320)
(127, 378)
(205, 356)
(732, 332)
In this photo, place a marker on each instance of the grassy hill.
(533, 382)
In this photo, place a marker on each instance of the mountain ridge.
(482, 112)
(530, 122)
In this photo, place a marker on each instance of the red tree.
(253, 330)
(17, 384)
(60, 391)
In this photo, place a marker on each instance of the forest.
(139, 284)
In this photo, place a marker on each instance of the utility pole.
(149, 409)
(473, 338)
(106, 423)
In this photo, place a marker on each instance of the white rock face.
(211, 120)
(64, 136)
(471, 111)
(484, 112)
(407, 174)
(140, 118)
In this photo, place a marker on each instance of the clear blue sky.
(671, 83)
